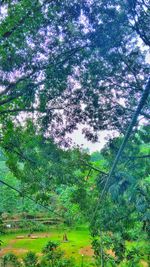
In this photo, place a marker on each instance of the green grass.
(6, 238)
(78, 239)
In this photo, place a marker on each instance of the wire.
(128, 133)
(125, 140)
(28, 197)
(93, 167)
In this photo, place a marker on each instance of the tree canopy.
(73, 62)
(68, 63)
(123, 213)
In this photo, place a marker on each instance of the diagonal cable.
(141, 103)
(28, 197)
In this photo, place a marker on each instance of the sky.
(79, 139)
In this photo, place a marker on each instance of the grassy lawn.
(6, 238)
(78, 239)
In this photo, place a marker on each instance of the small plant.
(12, 259)
(2, 231)
(54, 257)
(1, 242)
(51, 246)
(30, 260)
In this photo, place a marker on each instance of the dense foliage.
(63, 64)
(124, 212)
(73, 62)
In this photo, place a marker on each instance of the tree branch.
(93, 168)
(9, 99)
(140, 157)
(29, 110)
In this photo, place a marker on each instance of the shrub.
(51, 246)
(11, 258)
(32, 226)
(30, 260)
(2, 230)
(54, 257)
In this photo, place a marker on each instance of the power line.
(93, 167)
(128, 133)
(28, 197)
(140, 157)
(125, 140)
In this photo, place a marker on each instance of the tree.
(39, 164)
(124, 212)
(65, 63)
(66, 204)
(68, 63)
(9, 198)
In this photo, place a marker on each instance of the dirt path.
(145, 264)
(19, 251)
(87, 251)
(10, 248)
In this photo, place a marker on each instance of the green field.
(78, 242)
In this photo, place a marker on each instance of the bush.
(11, 258)
(32, 226)
(38, 227)
(55, 256)
(51, 246)
(2, 230)
(30, 260)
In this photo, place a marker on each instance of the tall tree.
(70, 62)
(124, 210)
(38, 163)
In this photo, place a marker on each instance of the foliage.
(116, 252)
(51, 246)
(69, 209)
(124, 211)
(73, 63)
(70, 63)
(11, 258)
(39, 163)
(10, 201)
(53, 257)
(2, 230)
(32, 226)
(30, 260)
(1, 242)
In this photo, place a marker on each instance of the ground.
(78, 245)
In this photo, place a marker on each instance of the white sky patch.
(147, 58)
(79, 139)
(85, 23)
(3, 12)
